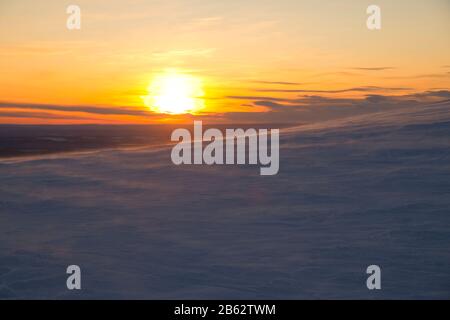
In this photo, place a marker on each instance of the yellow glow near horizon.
(175, 93)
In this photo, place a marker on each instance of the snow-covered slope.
(350, 193)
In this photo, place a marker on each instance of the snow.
(372, 189)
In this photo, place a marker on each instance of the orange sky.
(246, 54)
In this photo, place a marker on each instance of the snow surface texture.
(373, 189)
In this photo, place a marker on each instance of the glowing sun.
(175, 93)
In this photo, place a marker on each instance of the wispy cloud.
(373, 68)
(84, 109)
(437, 75)
(355, 89)
(42, 115)
(282, 83)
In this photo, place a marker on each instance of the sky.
(251, 61)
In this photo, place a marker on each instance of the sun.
(173, 92)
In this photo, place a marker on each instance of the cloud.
(440, 93)
(373, 68)
(312, 108)
(283, 83)
(356, 89)
(433, 75)
(422, 76)
(301, 109)
(257, 98)
(274, 106)
(85, 109)
(41, 115)
(376, 98)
